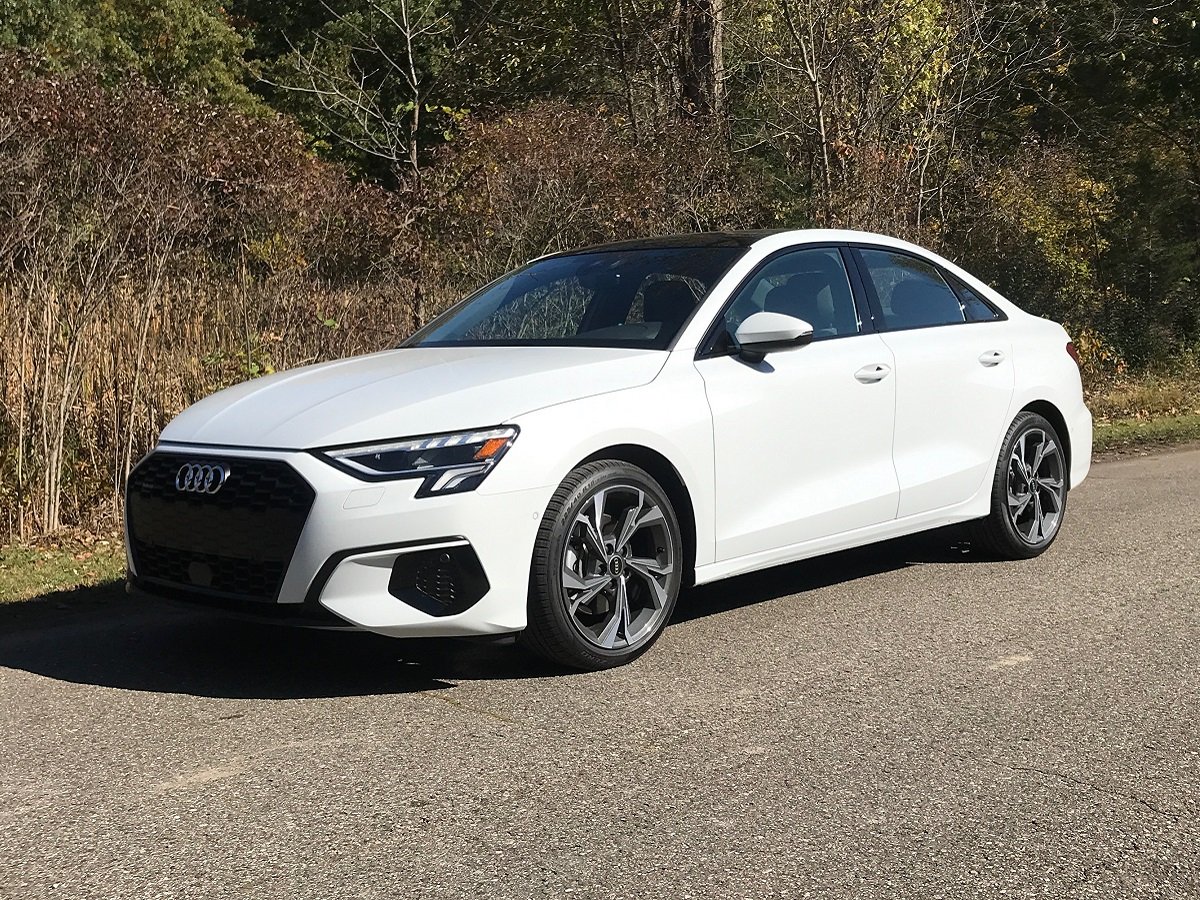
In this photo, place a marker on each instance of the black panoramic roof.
(704, 239)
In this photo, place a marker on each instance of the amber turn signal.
(492, 447)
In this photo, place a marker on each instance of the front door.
(803, 440)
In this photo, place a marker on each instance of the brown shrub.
(556, 176)
(152, 251)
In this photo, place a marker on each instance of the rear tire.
(607, 567)
(1029, 492)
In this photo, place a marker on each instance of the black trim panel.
(258, 611)
(868, 324)
(745, 239)
(439, 582)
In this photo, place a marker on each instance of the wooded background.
(194, 193)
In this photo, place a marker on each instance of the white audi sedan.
(565, 450)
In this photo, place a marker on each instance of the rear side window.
(911, 291)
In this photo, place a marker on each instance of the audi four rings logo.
(200, 478)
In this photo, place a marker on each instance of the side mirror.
(767, 332)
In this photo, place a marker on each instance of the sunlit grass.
(1128, 433)
(1150, 410)
(27, 572)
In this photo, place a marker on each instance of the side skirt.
(872, 534)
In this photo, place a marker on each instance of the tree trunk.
(701, 58)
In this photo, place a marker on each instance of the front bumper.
(356, 552)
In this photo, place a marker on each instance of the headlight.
(448, 463)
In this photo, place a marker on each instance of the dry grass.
(82, 403)
(1151, 396)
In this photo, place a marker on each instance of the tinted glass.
(612, 298)
(975, 307)
(809, 284)
(911, 291)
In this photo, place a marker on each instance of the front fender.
(670, 416)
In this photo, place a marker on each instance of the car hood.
(411, 391)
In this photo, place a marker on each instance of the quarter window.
(809, 284)
(911, 291)
(974, 306)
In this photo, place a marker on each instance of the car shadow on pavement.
(944, 545)
(101, 636)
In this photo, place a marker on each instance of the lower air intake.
(439, 582)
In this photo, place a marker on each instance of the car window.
(543, 312)
(809, 284)
(974, 306)
(911, 291)
(639, 297)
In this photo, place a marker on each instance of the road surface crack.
(1092, 786)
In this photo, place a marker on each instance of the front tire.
(1029, 492)
(607, 568)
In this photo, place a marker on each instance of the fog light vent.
(440, 582)
(437, 577)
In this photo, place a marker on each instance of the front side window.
(911, 291)
(607, 298)
(808, 284)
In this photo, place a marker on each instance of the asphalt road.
(900, 721)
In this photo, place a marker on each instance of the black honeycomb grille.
(440, 582)
(236, 543)
(438, 576)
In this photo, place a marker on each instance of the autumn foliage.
(196, 193)
(151, 251)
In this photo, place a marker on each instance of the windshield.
(607, 298)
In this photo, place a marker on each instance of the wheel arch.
(664, 472)
(1051, 414)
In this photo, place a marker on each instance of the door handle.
(873, 373)
(991, 358)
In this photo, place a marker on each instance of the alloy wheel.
(1036, 486)
(617, 566)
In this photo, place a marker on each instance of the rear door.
(954, 377)
(803, 439)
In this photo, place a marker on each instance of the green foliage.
(185, 46)
(373, 80)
